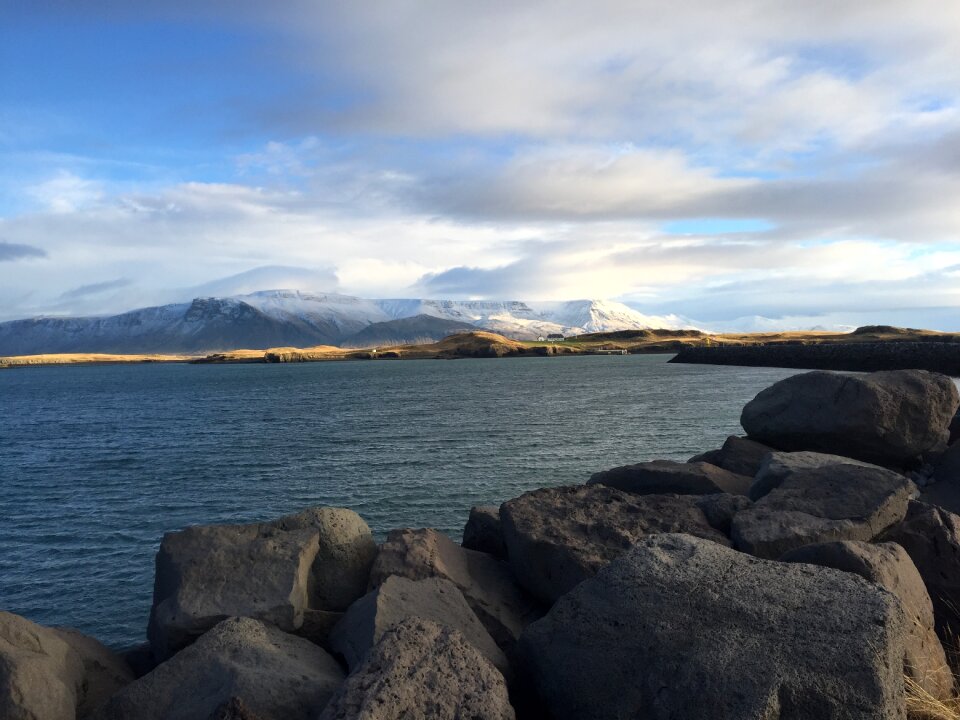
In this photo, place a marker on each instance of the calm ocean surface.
(97, 462)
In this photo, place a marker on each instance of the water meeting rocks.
(832, 502)
(483, 531)
(104, 672)
(486, 583)
(889, 565)
(887, 418)
(422, 670)
(558, 537)
(680, 627)
(667, 476)
(276, 676)
(397, 599)
(272, 571)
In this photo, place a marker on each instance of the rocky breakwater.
(793, 574)
(894, 354)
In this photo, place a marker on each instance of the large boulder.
(273, 675)
(888, 418)
(397, 599)
(680, 627)
(778, 466)
(833, 502)
(483, 531)
(889, 565)
(422, 670)
(486, 583)
(558, 537)
(41, 675)
(104, 672)
(271, 571)
(658, 477)
(931, 536)
(945, 489)
(739, 455)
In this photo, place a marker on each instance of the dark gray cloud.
(17, 251)
(95, 289)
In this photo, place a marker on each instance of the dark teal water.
(96, 463)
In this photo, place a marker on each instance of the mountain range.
(274, 318)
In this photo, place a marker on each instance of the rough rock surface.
(104, 672)
(721, 508)
(346, 552)
(558, 537)
(271, 571)
(397, 599)
(679, 627)
(945, 490)
(778, 466)
(276, 676)
(888, 418)
(317, 626)
(420, 670)
(486, 583)
(834, 502)
(483, 531)
(931, 536)
(742, 456)
(889, 565)
(41, 675)
(234, 709)
(667, 476)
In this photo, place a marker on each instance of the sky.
(748, 164)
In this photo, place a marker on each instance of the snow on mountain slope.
(270, 318)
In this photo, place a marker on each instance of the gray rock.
(888, 418)
(397, 599)
(104, 672)
(234, 709)
(421, 670)
(41, 675)
(486, 583)
(346, 552)
(778, 466)
(483, 531)
(558, 537)
(721, 508)
(742, 456)
(679, 627)
(275, 675)
(944, 490)
(931, 537)
(272, 571)
(889, 565)
(834, 502)
(710, 456)
(317, 626)
(667, 476)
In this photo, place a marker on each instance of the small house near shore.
(554, 337)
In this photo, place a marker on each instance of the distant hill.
(274, 318)
(416, 330)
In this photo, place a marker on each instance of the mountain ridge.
(269, 318)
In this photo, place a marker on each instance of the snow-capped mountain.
(273, 318)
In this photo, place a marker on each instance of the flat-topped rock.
(486, 583)
(483, 531)
(889, 418)
(41, 675)
(740, 455)
(680, 627)
(834, 502)
(931, 536)
(272, 571)
(422, 670)
(889, 565)
(558, 537)
(778, 466)
(398, 598)
(273, 675)
(659, 477)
